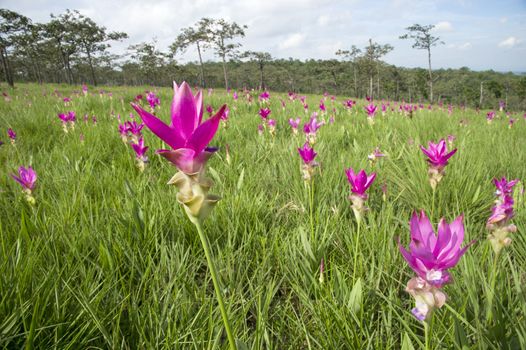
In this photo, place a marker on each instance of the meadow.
(107, 259)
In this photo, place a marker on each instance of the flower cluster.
(501, 213)
(68, 120)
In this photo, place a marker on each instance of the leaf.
(241, 345)
(460, 335)
(215, 175)
(240, 179)
(306, 244)
(476, 196)
(406, 343)
(355, 298)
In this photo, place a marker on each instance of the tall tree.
(423, 40)
(60, 31)
(372, 55)
(92, 38)
(150, 61)
(220, 32)
(261, 59)
(351, 55)
(12, 25)
(193, 35)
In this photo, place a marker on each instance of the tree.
(60, 32)
(92, 38)
(351, 55)
(423, 40)
(12, 25)
(261, 59)
(193, 35)
(220, 32)
(150, 60)
(372, 54)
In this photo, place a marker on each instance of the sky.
(480, 35)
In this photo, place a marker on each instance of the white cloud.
(509, 42)
(292, 41)
(323, 20)
(503, 20)
(443, 26)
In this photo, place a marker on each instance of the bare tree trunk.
(355, 81)
(430, 75)
(261, 81)
(92, 70)
(371, 86)
(481, 93)
(6, 68)
(201, 65)
(224, 72)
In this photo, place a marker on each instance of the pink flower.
(359, 182)
(187, 135)
(26, 178)
(430, 255)
(437, 153)
(264, 113)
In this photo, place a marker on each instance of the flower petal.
(159, 128)
(184, 112)
(205, 132)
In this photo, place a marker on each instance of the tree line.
(72, 48)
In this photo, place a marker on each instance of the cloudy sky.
(481, 34)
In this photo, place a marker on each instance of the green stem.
(356, 244)
(491, 294)
(311, 210)
(433, 205)
(213, 273)
(427, 333)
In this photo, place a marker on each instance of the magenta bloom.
(437, 153)
(123, 130)
(322, 106)
(359, 182)
(264, 96)
(234, 96)
(224, 116)
(307, 153)
(430, 255)
(271, 123)
(209, 110)
(312, 126)
(264, 113)
(490, 116)
(187, 135)
(26, 178)
(348, 104)
(504, 187)
(11, 134)
(371, 110)
(133, 127)
(140, 149)
(153, 100)
(294, 123)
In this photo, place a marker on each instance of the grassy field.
(106, 258)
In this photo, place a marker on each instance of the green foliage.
(107, 259)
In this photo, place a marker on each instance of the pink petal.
(184, 112)
(205, 132)
(159, 128)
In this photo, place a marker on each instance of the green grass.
(107, 259)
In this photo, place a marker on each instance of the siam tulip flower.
(377, 154)
(307, 154)
(264, 97)
(12, 135)
(501, 214)
(450, 140)
(153, 101)
(94, 119)
(224, 117)
(368, 98)
(66, 100)
(449, 110)
(123, 131)
(359, 182)
(261, 129)
(349, 104)
(322, 107)
(140, 153)
(490, 116)
(26, 178)
(294, 124)
(306, 108)
(303, 100)
(264, 113)
(511, 121)
(292, 96)
(322, 271)
(438, 159)
(138, 98)
(311, 128)
(209, 110)
(210, 91)
(384, 109)
(135, 129)
(371, 112)
(189, 137)
(85, 89)
(271, 127)
(81, 138)
(234, 96)
(283, 104)
(430, 256)
(384, 191)
(502, 105)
